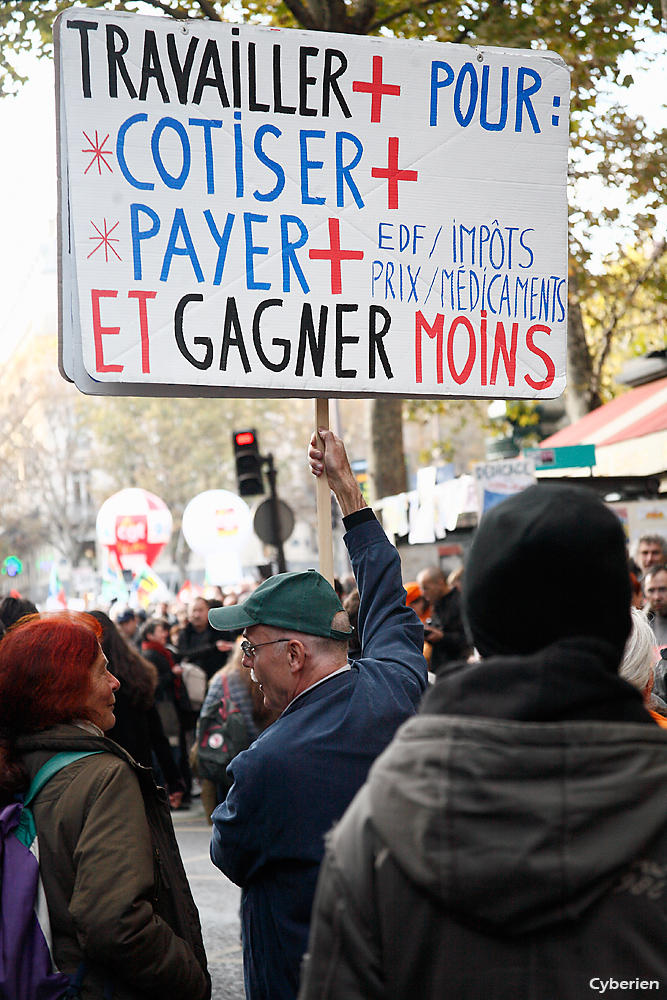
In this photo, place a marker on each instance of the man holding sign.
(298, 778)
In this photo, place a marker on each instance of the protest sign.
(253, 211)
(496, 481)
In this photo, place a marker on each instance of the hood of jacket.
(518, 825)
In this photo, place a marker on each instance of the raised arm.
(341, 478)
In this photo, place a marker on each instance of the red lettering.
(482, 346)
(435, 331)
(548, 363)
(100, 331)
(500, 347)
(143, 326)
(472, 350)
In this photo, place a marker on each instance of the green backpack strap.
(26, 831)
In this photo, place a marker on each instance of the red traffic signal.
(248, 463)
(244, 439)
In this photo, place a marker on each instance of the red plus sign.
(392, 173)
(377, 88)
(336, 255)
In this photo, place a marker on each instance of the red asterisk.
(97, 148)
(104, 239)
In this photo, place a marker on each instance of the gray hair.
(637, 663)
(659, 540)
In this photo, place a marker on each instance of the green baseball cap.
(304, 602)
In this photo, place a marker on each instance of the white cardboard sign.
(255, 211)
(495, 481)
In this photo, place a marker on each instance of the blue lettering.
(169, 179)
(306, 165)
(207, 124)
(120, 153)
(251, 251)
(179, 225)
(437, 82)
(268, 162)
(288, 251)
(344, 170)
(523, 96)
(141, 234)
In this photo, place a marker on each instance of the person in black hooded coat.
(511, 843)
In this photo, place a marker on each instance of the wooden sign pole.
(324, 537)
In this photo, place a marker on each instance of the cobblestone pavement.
(218, 901)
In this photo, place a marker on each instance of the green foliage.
(625, 311)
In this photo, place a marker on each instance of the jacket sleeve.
(390, 632)
(111, 903)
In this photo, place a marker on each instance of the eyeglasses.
(249, 650)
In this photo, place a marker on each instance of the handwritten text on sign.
(272, 209)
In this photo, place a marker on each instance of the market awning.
(630, 432)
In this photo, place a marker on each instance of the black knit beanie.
(546, 564)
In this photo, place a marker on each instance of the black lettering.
(305, 81)
(375, 340)
(277, 342)
(341, 341)
(330, 82)
(199, 341)
(236, 71)
(181, 73)
(116, 62)
(252, 81)
(83, 27)
(151, 68)
(315, 342)
(232, 320)
(211, 57)
(278, 106)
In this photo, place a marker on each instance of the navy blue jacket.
(300, 775)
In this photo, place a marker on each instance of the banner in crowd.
(253, 211)
(501, 479)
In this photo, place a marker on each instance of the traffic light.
(248, 463)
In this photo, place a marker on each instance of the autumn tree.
(45, 457)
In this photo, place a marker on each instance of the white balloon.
(217, 522)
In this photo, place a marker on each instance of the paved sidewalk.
(218, 901)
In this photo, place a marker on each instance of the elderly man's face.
(269, 666)
(649, 554)
(655, 589)
(199, 614)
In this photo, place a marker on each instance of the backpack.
(222, 734)
(27, 970)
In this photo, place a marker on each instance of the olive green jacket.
(113, 876)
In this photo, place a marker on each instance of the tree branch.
(361, 17)
(178, 13)
(607, 337)
(414, 7)
(303, 15)
(210, 11)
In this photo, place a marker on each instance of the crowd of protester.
(469, 763)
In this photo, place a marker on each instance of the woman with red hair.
(117, 893)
